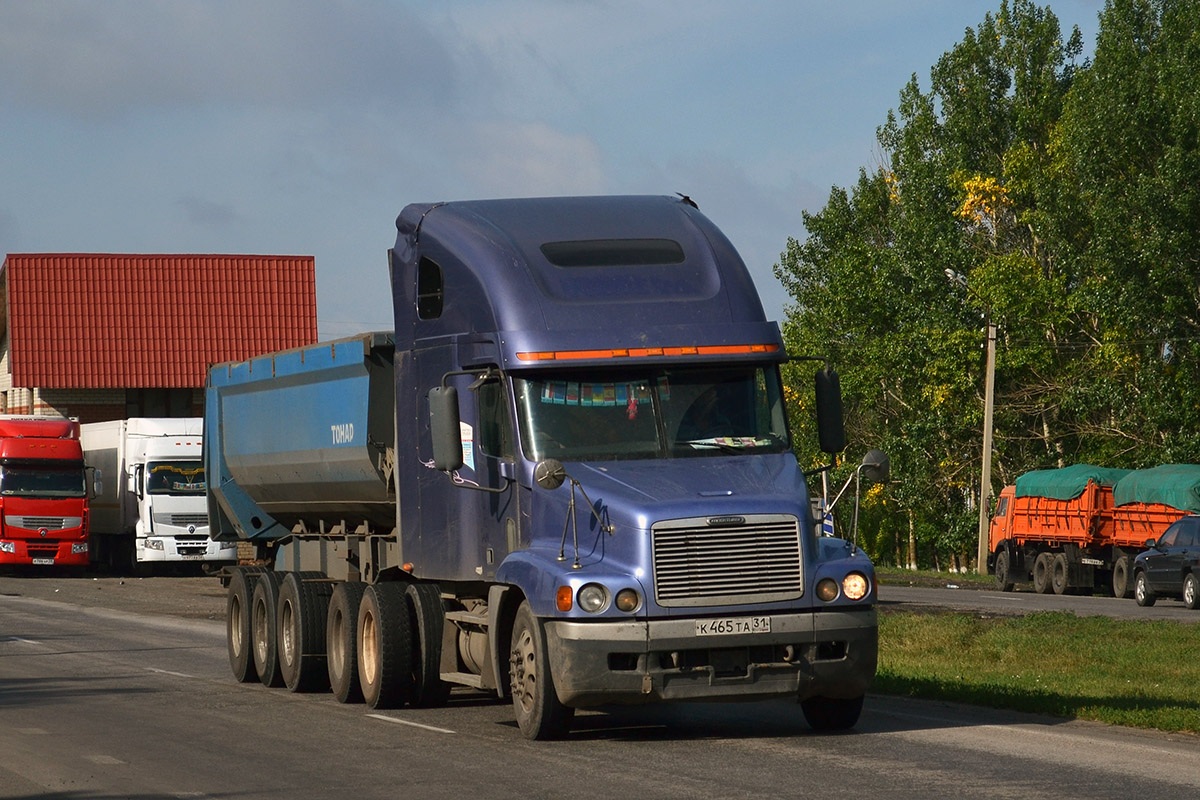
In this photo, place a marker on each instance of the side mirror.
(97, 482)
(1153, 543)
(135, 481)
(876, 466)
(831, 430)
(444, 428)
(549, 474)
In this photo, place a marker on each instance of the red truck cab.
(43, 492)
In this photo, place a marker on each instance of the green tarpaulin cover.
(1066, 483)
(1175, 485)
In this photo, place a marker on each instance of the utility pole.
(985, 479)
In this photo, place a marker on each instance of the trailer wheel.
(341, 647)
(428, 620)
(384, 639)
(1060, 574)
(237, 622)
(540, 715)
(1142, 592)
(1191, 591)
(264, 609)
(1003, 581)
(1121, 585)
(303, 608)
(1042, 568)
(832, 713)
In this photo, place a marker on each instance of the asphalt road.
(103, 704)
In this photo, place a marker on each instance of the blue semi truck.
(566, 477)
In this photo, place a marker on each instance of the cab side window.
(495, 428)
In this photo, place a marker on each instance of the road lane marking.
(386, 718)
(104, 760)
(22, 641)
(169, 672)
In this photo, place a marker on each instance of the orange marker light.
(564, 598)
(646, 352)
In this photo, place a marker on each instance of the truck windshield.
(651, 413)
(42, 479)
(175, 477)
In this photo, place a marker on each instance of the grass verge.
(1141, 674)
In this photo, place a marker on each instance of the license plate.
(727, 625)
(43, 562)
(191, 557)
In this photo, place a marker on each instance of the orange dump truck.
(1079, 528)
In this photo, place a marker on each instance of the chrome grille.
(183, 520)
(49, 523)
(701, 564)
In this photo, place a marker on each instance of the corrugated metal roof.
(97, 321)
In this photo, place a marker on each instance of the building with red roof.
(104, 336)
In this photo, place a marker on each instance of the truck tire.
(237, 623)
(303, 609)
(384, 641)
(1121, 585)
(1003, 581)
(1142, 592)
(264, 608)
(1042, 568)
(341, 648)
(428, 621)
(540, 715)
(1191, 591)
(1060, 574)
(832, 713)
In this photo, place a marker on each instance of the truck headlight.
(78, 547)
(593, 598)
(154, 544)
(827, 589)
(8, 547)
(628, 600)
(855, 586)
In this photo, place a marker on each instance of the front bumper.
(44, 552)
(824, 654)
(166, 547)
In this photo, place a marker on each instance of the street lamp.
(989, 389)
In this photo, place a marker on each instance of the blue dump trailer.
(566, 477)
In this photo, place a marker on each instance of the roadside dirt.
(178, 596)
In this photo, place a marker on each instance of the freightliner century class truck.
(566, 478)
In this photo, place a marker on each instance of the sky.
(303, 127)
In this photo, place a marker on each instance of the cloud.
(80, 58)
(208, 213)
(530, 158)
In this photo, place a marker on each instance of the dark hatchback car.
(1171, 567)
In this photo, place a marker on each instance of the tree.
(869, 282)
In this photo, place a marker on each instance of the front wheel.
(540, 715)
(1142, 592)
(832, 713)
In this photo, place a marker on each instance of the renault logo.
(42, 532)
